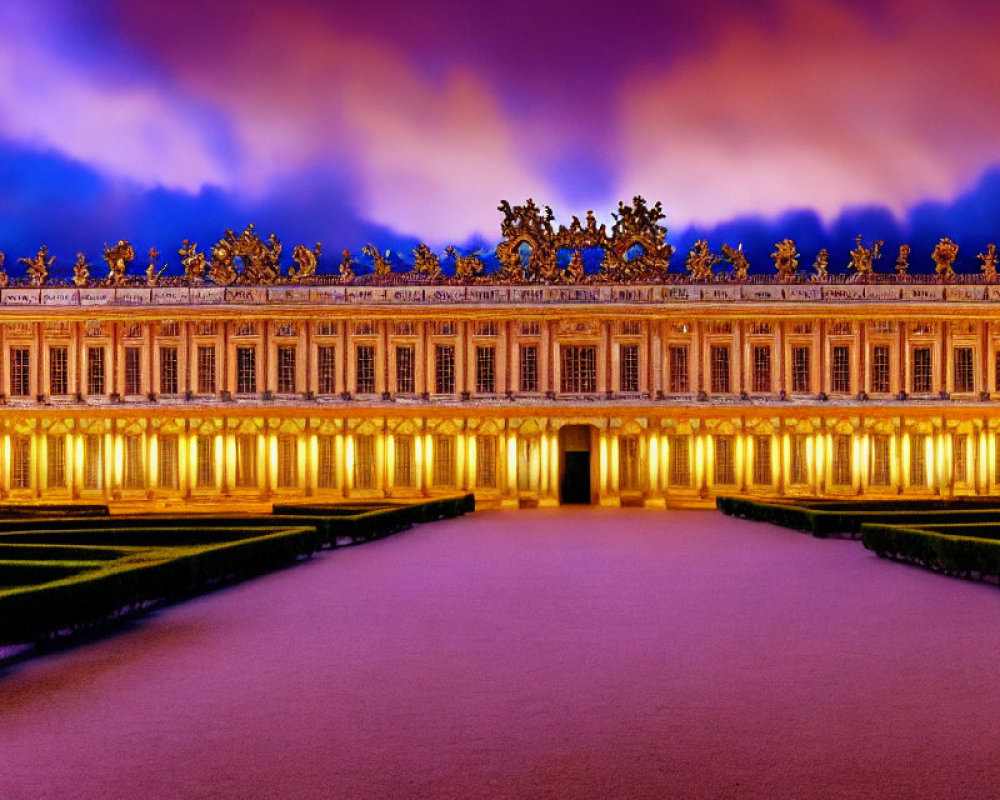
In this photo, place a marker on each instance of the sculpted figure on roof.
(118, 258)
(989, 260)
(426, 262)
(346, 267)
(944, 255)
(863, 259)
(786, 259)
(81, 271)
(700, 261)
(738, 261)
(193, 262)
(903, 262)
(306, 261)
(38, 267)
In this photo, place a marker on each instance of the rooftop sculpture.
(533, 250)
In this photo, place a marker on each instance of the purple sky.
(399, 122)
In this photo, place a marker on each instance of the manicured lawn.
(568, 653)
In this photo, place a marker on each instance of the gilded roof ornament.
(39, 266)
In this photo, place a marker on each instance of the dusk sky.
(404, 122)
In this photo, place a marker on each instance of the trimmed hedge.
(85, 598)
(8, 510)
(839, 520)
(61, 573)
(964, 556)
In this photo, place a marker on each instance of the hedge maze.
(959, 537)
(70, 569)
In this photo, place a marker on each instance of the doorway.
(575, 485)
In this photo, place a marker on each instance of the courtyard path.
(570, 653)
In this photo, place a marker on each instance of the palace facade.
(527, 395)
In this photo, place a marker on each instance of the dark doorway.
(576, 471)
(576, 477)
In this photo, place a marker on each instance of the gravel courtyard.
(565, 653)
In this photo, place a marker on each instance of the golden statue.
(39, 266)
(81, 271)
(944, 255)
(903, 262)
(118, 258)
(466, 267)
(786, 259)
(574, 270)
(379, 262)
(863, 259)
(193, 261)
(738, 260)
(821, 266)
(261, 262)
(425, 262)
(989, 259)
(306, 260)
(346, 267)
(152, 276)
(700, 261)
(4, 277)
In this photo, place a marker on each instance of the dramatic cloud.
(347, 121)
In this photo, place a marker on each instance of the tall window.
(881, 463)
(20, 462)
(761, 368)
(246, 370)
(679, 473)
(402, 468)
(579, 369)
(327, 364)
(205, 474)
(720, 369)
(95, 370)
(800, 369)
(918, 459)
(629, 368)
(444, 460)
(206, 369)
(486, 370)
(246, 460)
(364, 367)
(20, 371)
(135, 472)
(288, 462)
(921, 370)
(405, 383)
(529, 368)
(58, 371)
(680, 380)
(960, 458)
(842, 369)
(167, 454)
(168, 370)
(444, 369)
(800, 459)
(842, 460)
(93, 461)
(628, 463)
(286, 370)
(364, 461)
(326, 477)
(762, 460)
(964, 380)
(880, 368)
(55, 456)
(724, 465)
(133, 371)
(486, 462)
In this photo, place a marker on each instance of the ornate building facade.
(538, 386)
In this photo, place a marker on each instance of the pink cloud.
(129, 128)
(823, 112)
